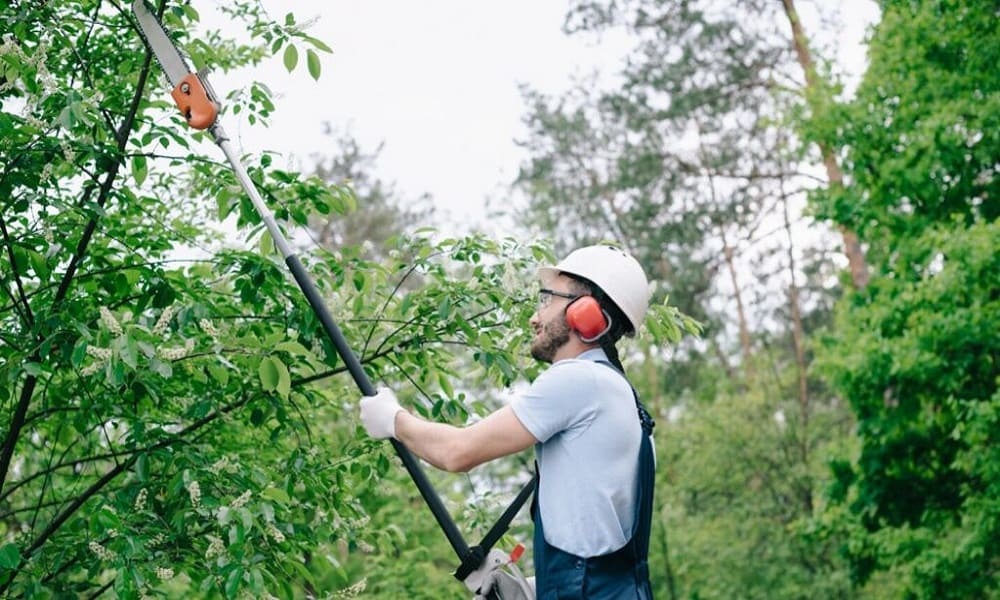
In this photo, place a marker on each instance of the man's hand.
(378, 413)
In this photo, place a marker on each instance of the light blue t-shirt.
(584, 416)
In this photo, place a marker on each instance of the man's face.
(549, 320)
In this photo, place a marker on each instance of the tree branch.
(28, 317)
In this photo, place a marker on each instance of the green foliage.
(378, 215)
(922, 379)
(739, 499)
(922, 135)
(916, 354)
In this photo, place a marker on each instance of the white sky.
(437, 81)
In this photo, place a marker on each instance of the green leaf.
(266, 244)
(291, 57)
(38, 264)
(191, 12)
(256, 582)
(277, 494)
(139, 169)
(233, 582)
(161, 367)
(10, 557)
(312, 62)
(445, 384)
(284, 379)
(79, 352)
(33, 368)
(269, 374)
(142, 468)
(218, 373)
(444, 309)
(292, 348)
(129, 352)
(318, 44)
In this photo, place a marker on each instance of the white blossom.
(102, 552)
(209, 328)
(91, 368)
(110, 322)
(172, 353)
(275, 534)
(219, 465)
(99, 353)
(511, 281)
(352, 591)
(164, 321)
(140, 501)
(194, 491)
(164, 573)
(215, 547)
(241, 500)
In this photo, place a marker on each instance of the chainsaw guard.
(195, 102)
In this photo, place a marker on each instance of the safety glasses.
(545, 296)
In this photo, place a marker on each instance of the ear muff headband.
(586, 317)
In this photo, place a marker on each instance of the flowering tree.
(181, 425)
(178, 424)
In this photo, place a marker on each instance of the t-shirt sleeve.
(558, 400)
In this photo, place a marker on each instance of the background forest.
(822, 360)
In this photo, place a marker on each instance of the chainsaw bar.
(170, 58)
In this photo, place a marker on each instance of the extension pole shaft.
(337, 337)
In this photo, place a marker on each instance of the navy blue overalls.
(621, 574)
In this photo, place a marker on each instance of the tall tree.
(819, 94)
(916, 354)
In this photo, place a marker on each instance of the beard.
(552, 337)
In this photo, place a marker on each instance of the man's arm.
(458, 449)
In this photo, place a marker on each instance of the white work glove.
(378, 413)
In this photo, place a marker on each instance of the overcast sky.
(437, 82)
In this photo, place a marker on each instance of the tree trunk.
(729, 254)
(798, 345)
(852, 245)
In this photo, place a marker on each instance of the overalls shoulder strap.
(645, 419)
(623, 573)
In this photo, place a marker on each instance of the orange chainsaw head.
(586, 317)
(195, 102)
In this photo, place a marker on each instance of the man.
(595, 462)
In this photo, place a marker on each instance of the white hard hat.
(614, 271)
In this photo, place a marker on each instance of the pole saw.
(487, 572)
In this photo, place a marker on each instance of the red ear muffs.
(584, 316)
